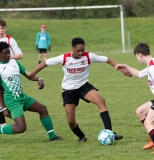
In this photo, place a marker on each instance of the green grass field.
(123, 95)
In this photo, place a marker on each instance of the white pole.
(122, 28)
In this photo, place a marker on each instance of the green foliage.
(143, 8)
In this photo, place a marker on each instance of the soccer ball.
(106, 137)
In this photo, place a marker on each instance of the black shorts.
(152, 107)
(42, 50)
(73, 96)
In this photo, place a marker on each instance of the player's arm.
(131, 70)
(125, 71)
(16, 56)
(24, 72)
(48, 62)
(16, 50)
(36, 70)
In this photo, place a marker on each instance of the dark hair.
(3, 45)
(77, 40)
(2, 22)
(142, 48)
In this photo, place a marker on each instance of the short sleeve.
(96, 58)
(22, 68)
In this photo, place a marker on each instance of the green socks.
(6, 130)
(47, 123)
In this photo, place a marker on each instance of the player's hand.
(37, 48)
(126, 72)
(49, 48)
(7, 113)
(120, 66)
(123, 69)
(41, 84)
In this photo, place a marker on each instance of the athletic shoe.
(57, 138)
(149, 145)
(117, 136)
(83, 139)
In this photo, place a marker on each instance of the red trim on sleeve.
(69, 54)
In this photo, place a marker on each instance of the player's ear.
(72, 49)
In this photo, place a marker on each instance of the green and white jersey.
(10, 78)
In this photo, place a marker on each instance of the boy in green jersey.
(14, 101)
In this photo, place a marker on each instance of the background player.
(43, 43)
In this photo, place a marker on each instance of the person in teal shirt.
(43, 43)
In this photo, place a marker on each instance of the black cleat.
(117, 136)
(55, 139)
(83, 139)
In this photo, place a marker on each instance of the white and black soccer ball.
(106, 137)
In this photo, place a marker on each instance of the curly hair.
(77, 40)
(3, 45)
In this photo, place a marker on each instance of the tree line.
(133, 8)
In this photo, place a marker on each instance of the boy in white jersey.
(14, 101)
(15, 54)
(75, 84)
(145, 112)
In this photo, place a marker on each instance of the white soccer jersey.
(14, 49)
(10, 78)
(76, 71)
(150, 69)
(143, 73)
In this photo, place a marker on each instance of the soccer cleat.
(57, 138)
(83, 139)
(149, 145)
(117, 136)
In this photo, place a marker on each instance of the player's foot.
(57, 138)
(83, 139)
(149, 145)
(117, 136)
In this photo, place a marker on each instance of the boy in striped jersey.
(76, 67)
(14, 102)
(15, 53)
(145, 112)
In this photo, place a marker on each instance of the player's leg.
(45, 56)
(149, 125)
(91, 95)
(70, 101)
(2, 118)
(141, 113)
(45, 119)
(20, 123)
(39, 57)
(70, 113)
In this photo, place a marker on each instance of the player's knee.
(44, 109)
(22, 129)
(139, 113)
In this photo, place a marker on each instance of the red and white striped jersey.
(14, 49)
(76, 71)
